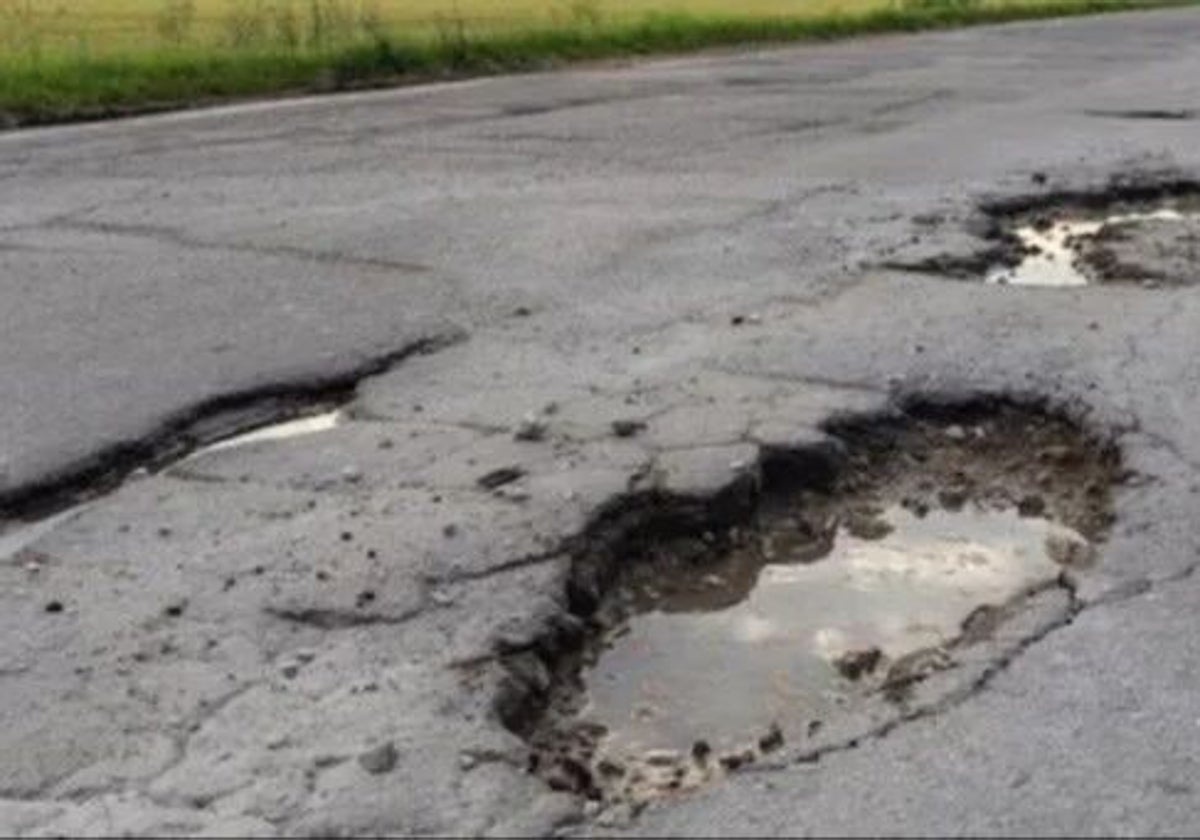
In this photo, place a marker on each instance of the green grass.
(38, 88)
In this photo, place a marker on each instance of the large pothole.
(705, 637)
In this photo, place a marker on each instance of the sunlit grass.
(85, 58)
(108, 26)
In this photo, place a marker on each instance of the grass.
(97, 58)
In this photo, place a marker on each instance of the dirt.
(1163, 253)
(714, 635)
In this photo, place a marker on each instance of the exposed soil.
(651, 557)
(1165, 252)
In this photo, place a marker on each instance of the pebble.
(953, 499)
(380, 760)
(867, 527)
(855, 664)
(1069, 549)
(498, 478)
(1031, 505)
(662, 758)
(773, 740)
(628, 428)
(531, 430)
(616, 816)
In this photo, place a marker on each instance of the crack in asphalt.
(1166, 444)
(335, 618)
(171, 236)
(1177, 114)
(504, 568)
(1132, 590)
(232, 414)
(832, 383)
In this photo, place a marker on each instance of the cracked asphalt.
(300, 637)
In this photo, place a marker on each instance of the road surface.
(298, 636)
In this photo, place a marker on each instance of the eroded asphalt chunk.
(442, 614)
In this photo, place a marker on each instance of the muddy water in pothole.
(1055, 249)
(713, 649)
(691, 667)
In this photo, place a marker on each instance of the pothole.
(1143, 232)
(1078, 249)
(700, 643)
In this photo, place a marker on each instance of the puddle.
(690, 666)
(279, 431)
(1054, 249)
(713, 648)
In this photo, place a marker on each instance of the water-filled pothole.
(708, 647)
(1142, 229)
(1079, 249)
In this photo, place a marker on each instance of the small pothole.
(711, 644)
(1150, 246)
(1143, 232)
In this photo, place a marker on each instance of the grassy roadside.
(59, 88)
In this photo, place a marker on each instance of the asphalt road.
(230, 645)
